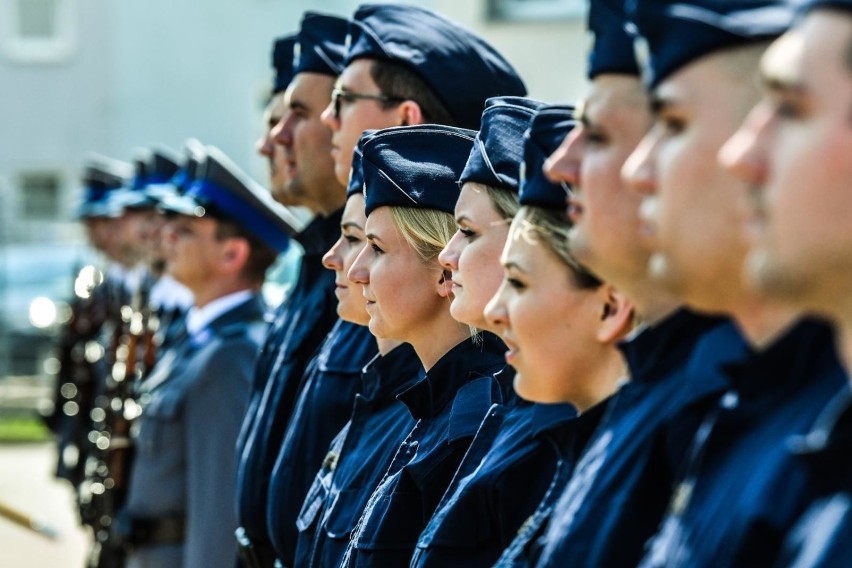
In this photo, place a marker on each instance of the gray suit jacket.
(194, 402)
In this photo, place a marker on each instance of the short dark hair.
(261, 255)
(398, 81)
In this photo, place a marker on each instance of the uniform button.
(730, 400)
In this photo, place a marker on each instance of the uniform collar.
(789, 359)
(347, 348)
(168, 294)
(663, 347)
(470, 359)
(321, 233)
(199, 318)
(386, 375)
(545, 417)
(570, 436)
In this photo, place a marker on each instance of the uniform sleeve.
(215, 407)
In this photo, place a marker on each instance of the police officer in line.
(620, 484)
(360, 453)
(467, 529)
(282, 65)
(397, 64)
(169, 300)
(798, 180)
(328, 387)
(565, 437)
(307, 315)
(77, 379)
(784, 369)
(138, 211)
(225, 234)
(138, 201)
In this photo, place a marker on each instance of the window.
(40, 195)
(535, 10)
(37, 30)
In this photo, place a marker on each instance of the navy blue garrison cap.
(356, 174)
(548, 129)
(415, 166)
(282, 62)
(101, 177)
(678, 32)
(222, 191)
(459, 66)
(497, 152)
(320, 44)
(612, 44)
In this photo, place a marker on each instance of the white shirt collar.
(168, 293)
(199, 318)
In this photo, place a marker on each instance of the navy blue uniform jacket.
(822, 538)
(301, 324)
(502, 479)
(324, 405)
(449, 404)
(619, 489)
(740, 489)
(358, 458)
(569, 439)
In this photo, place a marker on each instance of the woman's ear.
(616, 318)
(409, 113)
(445, 284)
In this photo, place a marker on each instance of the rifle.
(76, 379)
(133, 346)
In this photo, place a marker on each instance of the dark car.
(36, 284)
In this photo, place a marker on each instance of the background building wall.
(158, 72)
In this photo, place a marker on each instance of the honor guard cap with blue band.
(612, 44)
(320, 45)
(672, 34)
(101, 177)
(497, 152)
(222, 191)
(548, 129)
(194, 155)
(282, 62)
(415, 166)
(152, 168)
(460, 67)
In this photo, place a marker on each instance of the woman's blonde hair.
(551, 227)
(504, 202)
(427, 231)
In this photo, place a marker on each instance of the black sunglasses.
(338, 95)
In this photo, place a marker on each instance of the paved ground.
(27, 484)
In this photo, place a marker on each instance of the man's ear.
(616, 318)
(445, 284)
(409, 113)
(235, 255)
